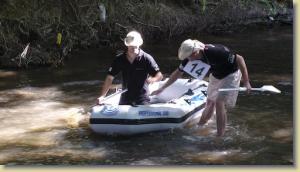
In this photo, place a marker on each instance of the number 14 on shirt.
(197, 69)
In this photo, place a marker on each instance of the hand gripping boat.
(178, 106)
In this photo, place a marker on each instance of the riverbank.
(55, 28)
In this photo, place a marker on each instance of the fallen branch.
(138, 22)
(118, 24)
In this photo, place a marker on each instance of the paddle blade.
(270, 88)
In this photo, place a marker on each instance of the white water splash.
(34, 118)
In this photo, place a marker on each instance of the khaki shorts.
(230, 81)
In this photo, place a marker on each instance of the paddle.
(103, 100)
(112, 95)
(269, 88)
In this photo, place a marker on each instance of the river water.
(44, 121)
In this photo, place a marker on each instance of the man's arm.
(158, 77)
(106, 85)
(243, 68)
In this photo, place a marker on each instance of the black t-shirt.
(134, 74)
(221, 60)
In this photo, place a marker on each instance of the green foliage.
(203, 5)
(39, 21)
(269, 5)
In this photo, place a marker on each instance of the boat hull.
(175, 108)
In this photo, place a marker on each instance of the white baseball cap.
(189, 46)
(133, 38)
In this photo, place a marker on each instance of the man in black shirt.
(138, 68)
(226, 72)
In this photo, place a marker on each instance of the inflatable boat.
(178, 106)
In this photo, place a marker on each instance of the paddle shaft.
(239, 89)
(263, 88)
(112, 95)
(108, 97)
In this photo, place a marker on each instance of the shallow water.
(44, 121)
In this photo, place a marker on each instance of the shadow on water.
(42, 122)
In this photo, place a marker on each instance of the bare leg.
(207, 112)
(221, 117)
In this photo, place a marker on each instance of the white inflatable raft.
(178, 106)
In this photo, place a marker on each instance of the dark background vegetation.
(83, 24)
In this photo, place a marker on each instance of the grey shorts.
(230, 81)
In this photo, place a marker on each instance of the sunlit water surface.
(44, 112)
